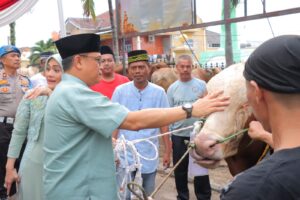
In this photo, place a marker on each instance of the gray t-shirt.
(180, 93)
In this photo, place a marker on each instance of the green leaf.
(89, 8)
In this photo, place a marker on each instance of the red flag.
(6, 3)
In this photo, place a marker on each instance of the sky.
(42, 20)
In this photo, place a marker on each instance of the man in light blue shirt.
(137, 95)
(185, 91)
(78, 155)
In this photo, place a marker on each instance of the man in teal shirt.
(78, 162)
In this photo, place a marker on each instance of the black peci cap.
(106, 50)
(275, 65)
(137, 55)
(77, 44)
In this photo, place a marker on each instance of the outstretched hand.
(38, 91)
(212, 102)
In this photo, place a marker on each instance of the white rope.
(155, 149)
(124, 146)
(162, 134)
(121, 148)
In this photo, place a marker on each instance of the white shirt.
(38, 80)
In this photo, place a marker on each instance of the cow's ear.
(242, 115)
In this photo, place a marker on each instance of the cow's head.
(220, 125)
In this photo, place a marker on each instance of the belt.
(7, 120)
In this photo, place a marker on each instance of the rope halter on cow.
(232, 136)
(135, 187)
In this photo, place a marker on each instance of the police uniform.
(11, 93)
(12, 90)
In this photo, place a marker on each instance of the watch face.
(188, 105)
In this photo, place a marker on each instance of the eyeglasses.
(97, 59)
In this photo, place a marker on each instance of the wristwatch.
(188, 108)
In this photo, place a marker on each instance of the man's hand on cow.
(212, 102)
(257, 132)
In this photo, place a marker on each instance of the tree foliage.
(89, 8)
(12, 33)
(41, 46)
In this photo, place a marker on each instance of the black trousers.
(5, 135)
(201, 183)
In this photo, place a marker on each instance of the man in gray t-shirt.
(184, 92)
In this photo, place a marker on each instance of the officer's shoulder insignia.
(4, 89)
(3, 82)
(24, 80)
(3, 78)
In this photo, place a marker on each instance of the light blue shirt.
(152, 96)
(180, 93)
(78, 160)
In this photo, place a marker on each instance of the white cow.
(220, 125)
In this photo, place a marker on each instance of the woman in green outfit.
(30, 124)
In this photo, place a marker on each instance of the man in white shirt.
(39, 78)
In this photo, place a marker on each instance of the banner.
(11, 10)
(150, 15)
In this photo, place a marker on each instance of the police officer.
(12, 88)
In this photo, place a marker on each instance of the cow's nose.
(206, 146)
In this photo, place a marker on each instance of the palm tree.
(88, 10)
(114, 32)
(229, 5)
(41, 46)
(12, 33)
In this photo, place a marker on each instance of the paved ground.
(218, 177)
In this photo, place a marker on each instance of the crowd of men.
(93, 105)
